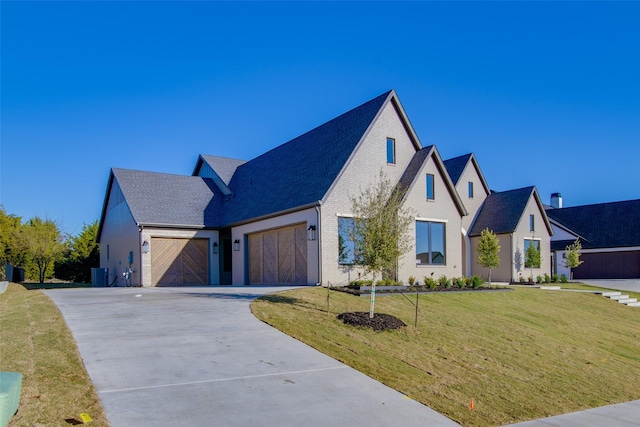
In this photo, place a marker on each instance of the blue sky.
(543, 93)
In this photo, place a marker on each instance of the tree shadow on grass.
(279, 299)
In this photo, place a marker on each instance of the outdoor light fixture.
(236, 245)
(311, 232)
(145, 247)
(215, 247)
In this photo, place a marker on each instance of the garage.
(178, 262)
(278, 257)
(609, 265)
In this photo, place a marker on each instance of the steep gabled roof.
(161, 199)
(225, 167)
(501, 211)
(604, 225)
(456, 166)
(300, 172)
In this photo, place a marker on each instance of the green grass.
(35, 341)
(54, 285)
(520, 355)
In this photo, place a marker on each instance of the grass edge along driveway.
(519, 355)
(36, 342)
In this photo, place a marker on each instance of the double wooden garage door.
(609, 265)
(176, 262)
(278, 257)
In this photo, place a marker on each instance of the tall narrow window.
(107, 252)
(391, 151)
(430, 189)
(532, 223)
(430, 243)
(470, 190)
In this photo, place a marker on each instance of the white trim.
(431, 219)
(345, 215)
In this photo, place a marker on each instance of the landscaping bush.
(412, 280)
(477, 282)
(564, 279)
(554, 278)
(547, 278)
(531, 282)
(444, 282)
(461, 282)
(521, 279)
(539, 279)
(361, 282)
(430, 283)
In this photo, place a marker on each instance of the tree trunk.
(373, 297)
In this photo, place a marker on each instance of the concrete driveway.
(624, 285)
(198, 357)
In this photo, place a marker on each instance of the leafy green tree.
(532, 257)
(9, 249)
(380, 230)
(573, 252)
(488, 251)
(42, 242)
(81, 254)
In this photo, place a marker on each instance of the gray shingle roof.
(456, 166)
(167, 199)
(501, 211)
(604, 225)
(301, 171)
(225, 167)
(409, 174)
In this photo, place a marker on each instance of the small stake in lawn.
(471, 405)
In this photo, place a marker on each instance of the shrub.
(412, 280)
(430, 283)
(554, 278)
(361, 282)
(521, 279)
(444, 282)
(531, 282)
(564, 279)
(461, 282)
(477, 282)
(547, 278)
(469, 281)
(539, 279)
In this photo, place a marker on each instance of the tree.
(573, 252)
(380, 229)
(42, 242)
(81, 254)
(532, 257)
(488, 251)
(9, 249)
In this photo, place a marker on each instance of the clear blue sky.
(544, 94)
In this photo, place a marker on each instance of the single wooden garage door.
(176, 262)
(278, 257)
(609, 265)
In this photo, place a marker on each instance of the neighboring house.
(610, 238)
(518, 219)
(280, 217)
(473, 190)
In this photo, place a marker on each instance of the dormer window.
(391, 151)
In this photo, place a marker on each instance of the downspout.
(511, 255)
(140, 254)
(319, 234)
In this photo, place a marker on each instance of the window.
(532, 223)
(430, 243)
(346, 246)
(430, 189)
(536, 244)
(470, 190)
(107, 252)
(391, 151)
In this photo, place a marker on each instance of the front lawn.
(519, 355)
(36, 342)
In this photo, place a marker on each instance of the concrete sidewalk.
(198, 357)
(619, 415)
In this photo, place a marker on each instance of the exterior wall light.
(311, 232)
(215, 247)
(236, 245)
(145, 247)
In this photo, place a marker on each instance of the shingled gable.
(167, 200)
(501, 212)
(415, 166)
(299, 173)
(603, 225)
(457, 165)
(222, 169)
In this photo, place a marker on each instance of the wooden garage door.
(609, 265)
(176, 262)
(278, 257)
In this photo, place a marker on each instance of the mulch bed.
(380, 322)
(414, 289)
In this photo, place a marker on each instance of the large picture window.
(536, 244)
(430, 243)
(346, 246)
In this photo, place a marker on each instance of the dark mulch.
(413, 289)
(380, 322)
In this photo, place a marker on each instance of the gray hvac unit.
(99, 277)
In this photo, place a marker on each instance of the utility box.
(10, 387)
(99, 277)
